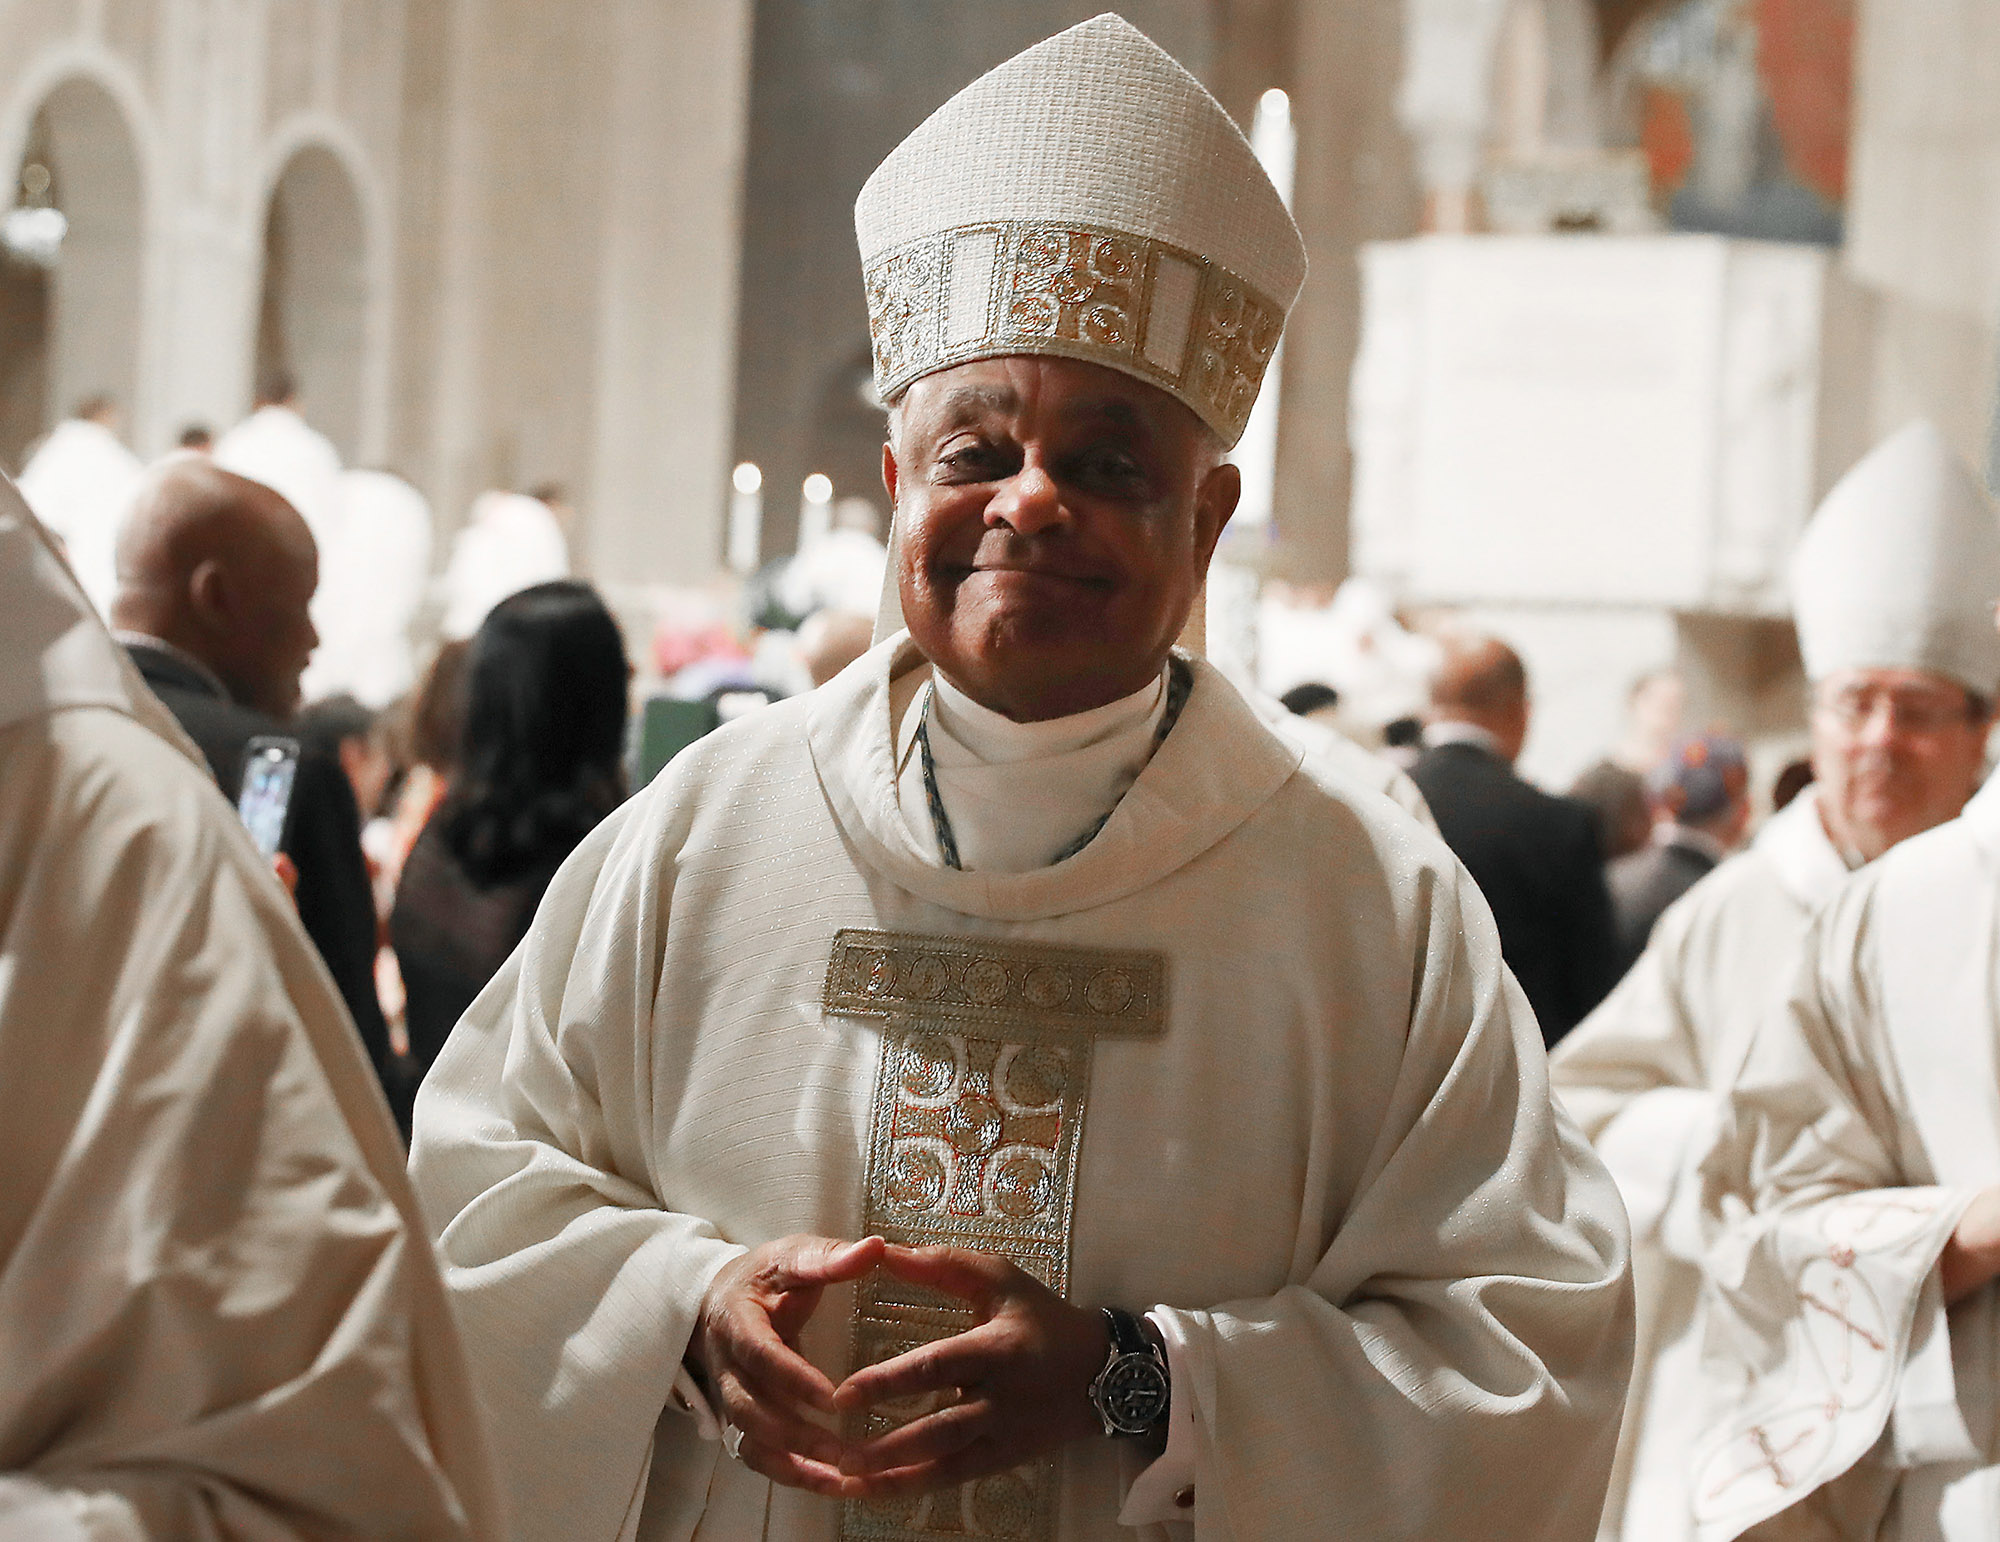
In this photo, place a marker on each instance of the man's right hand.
(1972, 1257)
(746, 1344)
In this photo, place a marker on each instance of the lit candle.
(815, 510)
(746, 518)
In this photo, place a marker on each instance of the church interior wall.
(410, 442)
(1924, 213)
(567, 273)
(317, 294)
(667, 300)
(212, 109)
(95, 295)
(1356, 183)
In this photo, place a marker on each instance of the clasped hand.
(1013, 1386)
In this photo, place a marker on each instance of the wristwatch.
(1132, 1392)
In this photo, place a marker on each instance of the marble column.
(667, 290)
(1356, 182)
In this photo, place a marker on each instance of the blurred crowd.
(458, 734)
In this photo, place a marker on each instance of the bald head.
(223, 568)
(1482, 682)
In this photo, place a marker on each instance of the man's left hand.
(1019, 1380)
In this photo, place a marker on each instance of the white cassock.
(1319, 1144)
(509, 542)
(1642, 1075)
(218, 1315)
(82, 482)
(371, 586)
(277, 447)
(1847, 1401)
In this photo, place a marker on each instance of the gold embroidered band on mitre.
(1157, 311)
(978, 1116)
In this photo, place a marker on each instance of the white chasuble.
(1849, 1401)
(220, 1320)
(1642, 1075)
(1249, 1059)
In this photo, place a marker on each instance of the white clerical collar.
(1794, 841)
(1019, 795)
(979, 734)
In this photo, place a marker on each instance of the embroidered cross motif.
(1770, 1458)
(1853, 1329)
(978, 1116)
(1845, 1328)
(1870, 1221)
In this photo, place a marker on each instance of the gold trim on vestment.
(1147, 307)
(978, 1116)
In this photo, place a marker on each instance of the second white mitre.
(1900, 567)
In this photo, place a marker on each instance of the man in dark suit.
(215, 575)
(1534, 856)
(1702, 794)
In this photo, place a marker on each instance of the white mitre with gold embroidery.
(1900, 568)
(1087, 199)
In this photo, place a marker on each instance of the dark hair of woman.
(539, 765)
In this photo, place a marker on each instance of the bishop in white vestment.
(1852, 1342)
(1009, 1091)
(219, 1318)
(372, 581)
(1637, 1075)
(1891, 587)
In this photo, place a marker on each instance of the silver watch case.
(1132, 1393)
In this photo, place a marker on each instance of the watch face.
(1134, 1393)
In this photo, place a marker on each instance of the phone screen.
(268, 771)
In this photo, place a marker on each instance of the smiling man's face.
(1055, 521)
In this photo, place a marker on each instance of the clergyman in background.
(1892, 585)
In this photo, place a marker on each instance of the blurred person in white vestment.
(372, 584)
(81, 481)
(841, 568)
(276, 446)
(1893, 586)
(219, 1317)
(1355, 643)
(1009, 1090)
(510, 542)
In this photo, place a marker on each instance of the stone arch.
(73, 326)
(316, 300)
